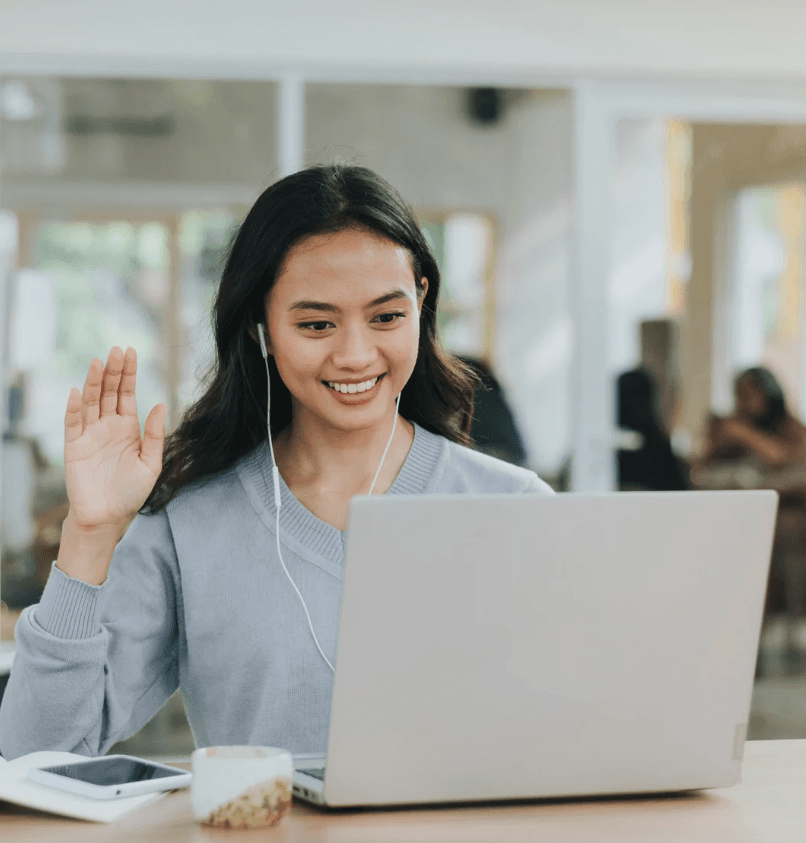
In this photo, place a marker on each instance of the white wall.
(169, 37)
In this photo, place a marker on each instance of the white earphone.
(276, 480)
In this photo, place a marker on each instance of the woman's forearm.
(768, 448)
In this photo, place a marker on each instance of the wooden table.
(749, 474)
(769, 805)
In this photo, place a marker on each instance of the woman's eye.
(389, 318)
(316, 327)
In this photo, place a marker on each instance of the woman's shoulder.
(211, 492)
(463, 470)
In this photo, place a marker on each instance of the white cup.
(241, 786)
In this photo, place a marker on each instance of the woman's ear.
(254, 331)
(422, 292)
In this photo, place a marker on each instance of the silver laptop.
(515, 647)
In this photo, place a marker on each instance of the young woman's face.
(344, 327)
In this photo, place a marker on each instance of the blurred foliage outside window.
(463, 247)
(108, 283)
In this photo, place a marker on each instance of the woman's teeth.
(352, 387)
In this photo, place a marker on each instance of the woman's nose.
(354, 349)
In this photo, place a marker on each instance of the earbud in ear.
(262, 339)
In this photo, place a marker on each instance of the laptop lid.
(527, 646)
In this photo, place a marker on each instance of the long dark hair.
(767, 384)
(229, 420)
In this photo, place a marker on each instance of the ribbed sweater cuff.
(68, 606)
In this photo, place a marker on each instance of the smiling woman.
(333, 262)
(325, 329)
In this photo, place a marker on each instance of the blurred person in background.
(650, 463)
(767, 445)
(493, 429)
(761, 425)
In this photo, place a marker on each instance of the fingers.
(111, 382)
(127, 402)
(91, 396)
(110, 390)
(73, 427)
(153, 438)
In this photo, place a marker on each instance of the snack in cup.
(241, 786)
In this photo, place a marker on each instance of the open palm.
(109, 469)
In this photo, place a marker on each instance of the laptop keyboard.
(318, 773)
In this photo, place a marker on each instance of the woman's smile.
(351, 387)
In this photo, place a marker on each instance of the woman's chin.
(356, 415)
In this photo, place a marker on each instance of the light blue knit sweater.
(196, 598)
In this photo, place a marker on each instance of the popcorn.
(260, 806)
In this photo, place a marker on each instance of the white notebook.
(16, 787)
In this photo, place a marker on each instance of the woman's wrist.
(85, 552)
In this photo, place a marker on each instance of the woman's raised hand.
(109, 469)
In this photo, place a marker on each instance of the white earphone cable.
(275, 473)
(294, 585)
(386, 449)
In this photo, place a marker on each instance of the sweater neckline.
(300, 525)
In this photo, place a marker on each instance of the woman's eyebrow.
(394, 295)
(308, 304)
(326, 307)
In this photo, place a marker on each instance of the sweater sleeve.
(95, 663)
(536, 486)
